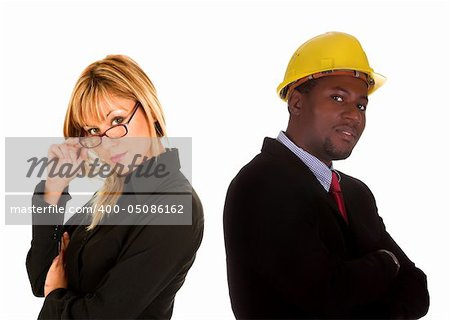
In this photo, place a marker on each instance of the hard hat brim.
(379, 80)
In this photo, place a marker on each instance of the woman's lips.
(118, 157)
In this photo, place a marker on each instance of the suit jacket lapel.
(276, 149)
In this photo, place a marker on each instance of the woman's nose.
(108, 142)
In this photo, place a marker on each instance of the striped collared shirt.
(318, 168)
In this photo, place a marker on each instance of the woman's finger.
(83, 154)
(66, 240)
(72, 141)
(55, 262)
(72, 151)
(54, 151)
(64, 150)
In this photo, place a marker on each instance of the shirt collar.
(320, 170)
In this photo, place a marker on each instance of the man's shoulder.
(265, 166)
(353, 184)
(255, 172)
(275, 169)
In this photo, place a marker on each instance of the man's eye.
(93, 131)
(117, 120)
(361, 107)
(337, 98)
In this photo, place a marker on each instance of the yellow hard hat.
(328, 54)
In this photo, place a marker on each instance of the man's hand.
(394, 259)
(56, 275)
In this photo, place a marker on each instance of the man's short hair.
(307, 86)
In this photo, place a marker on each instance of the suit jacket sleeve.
(47, 231)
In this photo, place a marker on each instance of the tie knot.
(335, 186)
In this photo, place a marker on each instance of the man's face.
(332, 117)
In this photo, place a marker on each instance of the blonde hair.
(120, 76)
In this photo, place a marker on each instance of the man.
(302, 239)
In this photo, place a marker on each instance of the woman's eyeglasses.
(115, 132)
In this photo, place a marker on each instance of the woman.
(114, 263)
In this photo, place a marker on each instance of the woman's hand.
(68, 157)
(56, 275)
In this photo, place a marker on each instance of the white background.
(216, 66)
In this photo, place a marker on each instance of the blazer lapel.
(276, 149)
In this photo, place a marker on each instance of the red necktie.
(336, 192)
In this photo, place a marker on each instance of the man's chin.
(336, 153)
(342, 156)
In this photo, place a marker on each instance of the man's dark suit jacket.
(291, 255)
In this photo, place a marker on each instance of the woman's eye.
(337, 98)
(117, 120)
(93, 131)
(361, 107)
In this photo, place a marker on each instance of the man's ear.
(295, 102)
